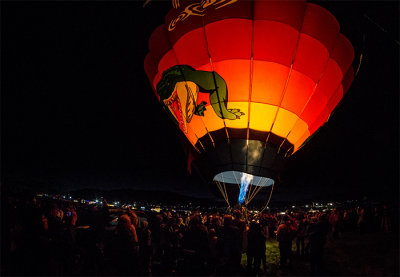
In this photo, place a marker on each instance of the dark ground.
(375, 254)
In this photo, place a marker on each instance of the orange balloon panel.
(269, 81)
(299, 89)
(198, 126)
(298, 132)
(300, 141)
(191, 136)
(212, 121)
(236, 73)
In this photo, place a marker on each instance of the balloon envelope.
(248, 82)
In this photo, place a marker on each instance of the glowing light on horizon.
(244, 186)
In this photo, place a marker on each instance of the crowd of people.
(45, 236)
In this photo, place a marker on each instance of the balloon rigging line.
(256, 191)
(250, 189)
(381, 28)
(222, 192)
(251, 78)
(234, 175)
(309, 98)
(213, 74)
(246, 197)
(287, 80)
(269, 199)
(221, 185)
(227, 199)
(226, 193)
(180, 69)
(248, 193)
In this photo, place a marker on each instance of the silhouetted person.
(318, 232)
(145, 250)
(300, 235)
(256, 248)
(195, 247)
(284, 236)
(229, 247)
(127, 242)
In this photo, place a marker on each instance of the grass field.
(350, 255)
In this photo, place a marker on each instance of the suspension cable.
(255, 193)
(224, 194)
(259, 180)
(269, 199)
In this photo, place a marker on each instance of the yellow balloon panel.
(243, 120)
(262, 116)
(284, 122)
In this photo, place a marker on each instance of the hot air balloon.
(248, 82)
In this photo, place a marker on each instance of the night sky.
(78, 110)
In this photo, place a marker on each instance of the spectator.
(229, 247)
(284, 236)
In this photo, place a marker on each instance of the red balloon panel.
(190, 43)
(229, 39)
(321, 25)
(274, 41)
(330, 80)
(311, 57)
(287, 12)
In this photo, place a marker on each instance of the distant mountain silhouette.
(144, 196)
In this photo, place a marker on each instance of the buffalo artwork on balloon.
(179, 90)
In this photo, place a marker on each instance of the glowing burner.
(244, 186)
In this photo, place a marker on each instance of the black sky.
(78, 110)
